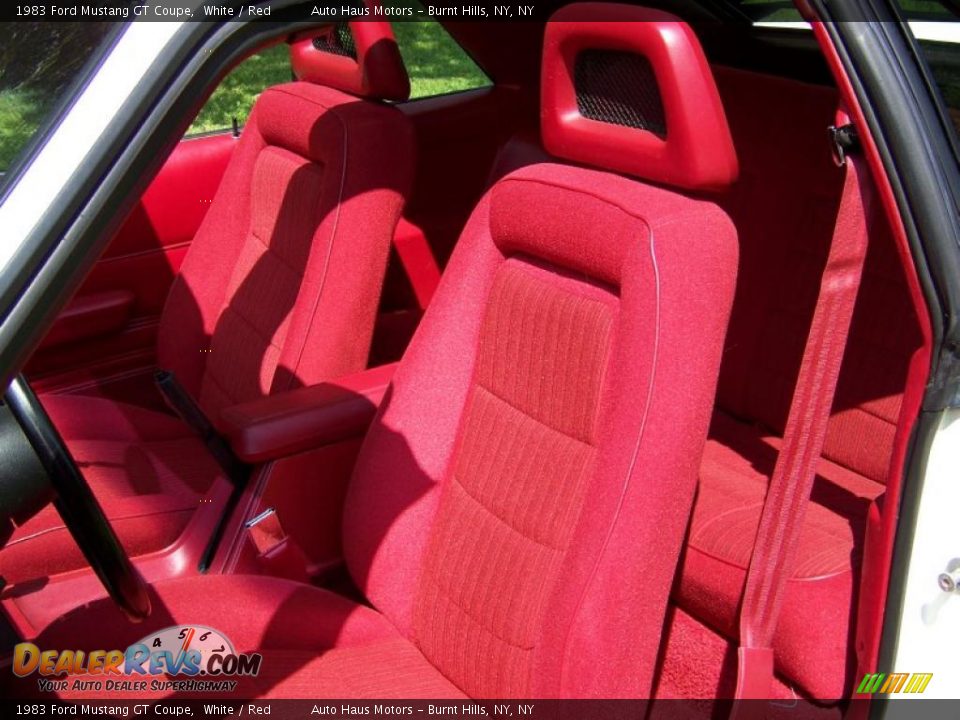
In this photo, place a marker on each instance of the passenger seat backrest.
(281, 284)
(519, 503)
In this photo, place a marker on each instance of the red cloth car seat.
(518, 506)
(279, 289)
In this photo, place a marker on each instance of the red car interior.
(784, 205)
(524, 504)
(546, 420)
(142, 260)
(278, 290)
(693, 152)
(288, 423)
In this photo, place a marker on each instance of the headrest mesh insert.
(619, 88)
(338, 41)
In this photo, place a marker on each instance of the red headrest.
(628, 89)
(360, 58)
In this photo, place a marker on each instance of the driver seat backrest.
(281, 285)
(279, 288)
(518, 506)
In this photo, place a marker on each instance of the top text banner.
(271, 10)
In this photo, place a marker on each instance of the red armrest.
(305, 418)
(89, 316)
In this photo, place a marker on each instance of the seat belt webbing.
(191, 414)
(237, 472)
(790, 486)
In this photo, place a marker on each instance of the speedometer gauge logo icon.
(193, 646)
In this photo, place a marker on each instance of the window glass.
(234, 97)
(944, 61)
(927, 9)
(935, 24)
(769, 10)
(434, 61)
(437, 65)
(785, 11)
(38, 61)
(936, 27)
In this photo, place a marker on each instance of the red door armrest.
(91, 315)
(291, 422)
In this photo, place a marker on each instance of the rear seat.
(784, 208)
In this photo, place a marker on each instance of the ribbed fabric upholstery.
(381, 669)
(315, 644)
(387, 669)
(726, 515)
(884, 336)
(815, 622)
(526, 452)
(279, 289)
(784, 206)
(518, 506)
(542, 418)
(263, 288)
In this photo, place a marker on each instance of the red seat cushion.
(85, 417)
(545, 425)
(315, 644)
(543, 429)
(499, 502)
(815, 625)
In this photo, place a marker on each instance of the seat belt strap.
(788, 495)
(187, 410)
(237, 471)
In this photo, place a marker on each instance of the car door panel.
(109, 329)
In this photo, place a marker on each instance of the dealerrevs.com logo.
(191, 658)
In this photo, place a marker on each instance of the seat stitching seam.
(220, 387)
(330, 245)
(275, 255)
(253, 328)
(581, 191)
(537, 420)
(475, 620)
(636, 450)
(503, 520)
